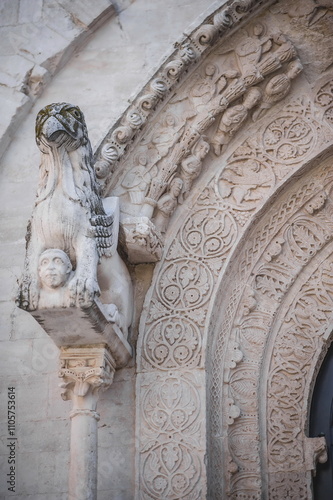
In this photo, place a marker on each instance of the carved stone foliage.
(175, 325)
(223, 117)
(172, 439)
(85, 370)
(297, 340)
(324, 99)
(300, 227)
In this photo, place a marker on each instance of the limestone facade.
(222, 166)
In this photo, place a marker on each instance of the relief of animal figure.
(70, 216)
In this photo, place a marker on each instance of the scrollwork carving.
(170, 466)
(173, 342)
(209, 233)
(185, 284)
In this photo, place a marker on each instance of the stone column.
(85, 372)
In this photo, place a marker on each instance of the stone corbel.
(75, 283)
(143, 243)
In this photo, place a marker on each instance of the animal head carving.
(60, 124)
(66, 164)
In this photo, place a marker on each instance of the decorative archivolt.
(278, 252)
(208, 250)
(232, 143)
(217, 136)
(230, 87)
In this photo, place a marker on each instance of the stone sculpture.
(167, 204)
(233, 118)
(54, 270)
(72, 237)
(278, 87)
(190, 166)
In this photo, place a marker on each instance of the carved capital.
(85, 372)
(143, 242)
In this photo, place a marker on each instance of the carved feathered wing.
(103, 230)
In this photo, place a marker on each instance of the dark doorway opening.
(321, 424)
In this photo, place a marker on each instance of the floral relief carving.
(289, 139)
(185, 284)
(324, 99)
(173, 342)
(298, 338)
(170, 408)
(287, 243)
(166, 331)
(209, 232)
(289, 485)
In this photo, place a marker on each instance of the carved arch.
(267, 341)
(211, 236)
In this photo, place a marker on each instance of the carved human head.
(252, 97)
(202, 149)
(176, 186)
(258, 29)
(54, 268)
(294, 68)
(210, 69)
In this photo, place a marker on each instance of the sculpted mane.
(61, 135)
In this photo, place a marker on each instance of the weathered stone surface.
(27, 65)
(246, 255)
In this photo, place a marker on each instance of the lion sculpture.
(70, 215)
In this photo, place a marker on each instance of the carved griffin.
(69, 215)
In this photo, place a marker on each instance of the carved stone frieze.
(176, 319)
(194, 45)
(162, 166)
(173, 436)
(306, 231)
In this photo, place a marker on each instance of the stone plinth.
(74, 326)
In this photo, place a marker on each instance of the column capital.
(85, 372)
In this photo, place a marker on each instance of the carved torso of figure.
(278, 87)
(191, 166)
(167, 204)
(233, 118)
